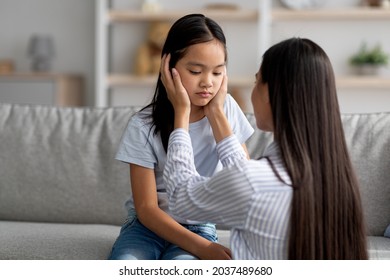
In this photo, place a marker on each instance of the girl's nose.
(206, 82)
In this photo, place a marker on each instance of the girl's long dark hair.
(187, 31)
(326, 217)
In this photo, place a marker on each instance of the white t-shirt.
(139, 145)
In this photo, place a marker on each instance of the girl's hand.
(215, 251)
(177, 94)
(216, 104)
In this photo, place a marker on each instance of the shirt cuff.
(230, 150)
(181, 136)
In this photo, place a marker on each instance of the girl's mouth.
(204, 94)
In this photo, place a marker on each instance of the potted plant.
(368, 61)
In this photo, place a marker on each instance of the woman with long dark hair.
(197, 47)
(301, 199)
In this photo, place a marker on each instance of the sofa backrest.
(368, 139)
(57, 164)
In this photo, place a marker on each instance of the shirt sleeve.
(135, 146)
(223, 198)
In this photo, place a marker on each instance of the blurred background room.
(87, 53)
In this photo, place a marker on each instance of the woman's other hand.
(217, 103)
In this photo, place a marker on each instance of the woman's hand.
(177, 94)
(216, 104)
(216, 114)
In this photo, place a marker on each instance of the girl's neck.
(197, 114)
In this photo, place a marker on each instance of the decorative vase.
(374, 3)
(368, 69)
(41, 52)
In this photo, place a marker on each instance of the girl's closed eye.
(194, 72)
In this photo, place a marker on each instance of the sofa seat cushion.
(45, 241)
(379, 248)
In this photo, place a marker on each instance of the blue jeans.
(136, 242)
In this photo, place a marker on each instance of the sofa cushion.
(387, 232)
(57, 164)
(368, 139)
(379, 248)
(46, 241)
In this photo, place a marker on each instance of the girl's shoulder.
(141, 120)
(143, 116)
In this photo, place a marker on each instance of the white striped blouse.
(246, 195)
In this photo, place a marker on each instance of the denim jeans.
(136, 242)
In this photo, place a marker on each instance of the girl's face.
(201, 71)
(261, 105)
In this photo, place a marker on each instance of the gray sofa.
(62, 193)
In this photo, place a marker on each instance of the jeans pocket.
(207, 231)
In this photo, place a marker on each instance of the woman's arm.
(150, 215)
(223, 198)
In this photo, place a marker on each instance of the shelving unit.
(56, 89)
(356, 93)
(115, 16)
(356, 13)
(107, 17)
(264, 17)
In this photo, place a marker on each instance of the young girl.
(301, 199)
(197, 47)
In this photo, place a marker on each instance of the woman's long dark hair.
(326, 217)
(187, 31)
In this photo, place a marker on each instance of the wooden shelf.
(263, 16)
(362, 13)
(39, 76)
(124, 80)
(372, 82)
(135, 15)
(59, 89)
(358, 13)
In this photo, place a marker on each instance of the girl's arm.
(151, 216)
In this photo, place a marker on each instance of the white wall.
(69, 22)
(72, 25)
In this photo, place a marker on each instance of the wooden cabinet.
(42, 89)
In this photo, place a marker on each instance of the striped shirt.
(246, 195)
